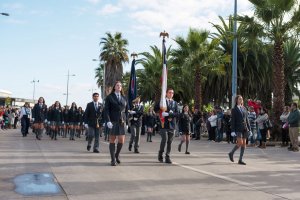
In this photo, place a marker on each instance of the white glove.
(233, 134)
(48, 123)
(250, 134)
(132, 112)
(45, 121)
(32, 119)
(103, 125)
(86, 126)
(165, 114)
(63, 122)
(109, 125)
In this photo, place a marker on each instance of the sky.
(42, 40)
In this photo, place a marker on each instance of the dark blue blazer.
(170, 121)
(39, 113)
(115, 110)
(91, 115)
(239, 120)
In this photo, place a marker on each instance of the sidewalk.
(205, 174)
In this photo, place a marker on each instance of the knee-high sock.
(187, 146)
(119, 147)
(112, 148)
(234, 149)
(242, 153)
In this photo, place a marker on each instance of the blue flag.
(132, 93)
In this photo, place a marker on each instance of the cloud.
(15, 21)
(93, 1)
(177, 15)
(109, 9)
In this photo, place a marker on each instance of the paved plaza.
(207, 173)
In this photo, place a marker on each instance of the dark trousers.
(285, 135)
(135, 132)
(167, 136)
(197, 132)
(15, 122)
(263, 135)
(93, 134)
(212, 133)
(25, 123)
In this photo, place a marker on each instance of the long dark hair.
(236, 99)
(43, 100)
(74, 106)
(185, 105)
(113, 89)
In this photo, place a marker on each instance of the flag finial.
(134, 55)
(164, 34)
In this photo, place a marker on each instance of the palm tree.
(252, 64)
(99, 75)
(271, 17)
(148, 78)
(292, 69)
(113, 54)
(200, 56)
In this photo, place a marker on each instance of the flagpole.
(163, 104)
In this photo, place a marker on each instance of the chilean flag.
(132, 85)
(163, 103)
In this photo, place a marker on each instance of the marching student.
(72, 120)
(185, 119)
(79, 122)
(150, 123)
(65, 126)
(167, 129)
(115, 117)
(93, 122)
(39, 117)
(25, 116)
(240, 127)
(135, 121)
(57, 119)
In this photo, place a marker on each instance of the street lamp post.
(5, 14)
(68, 86)
(234, 57)
(34, 81)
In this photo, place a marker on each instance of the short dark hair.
(169, 90)
(95, 93)
(295, 104)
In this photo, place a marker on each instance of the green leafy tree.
(114, 54)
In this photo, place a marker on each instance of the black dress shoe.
(230, 157)
(96, 151)
(88, 148)
(187, 152)
(136, 151)
(160, 158)
(113, 163)
(118, 160)
(241, 162)
(168, 160)
(130, 147)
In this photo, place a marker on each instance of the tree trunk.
(288, 97)
(198, 92)
(278, 83)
